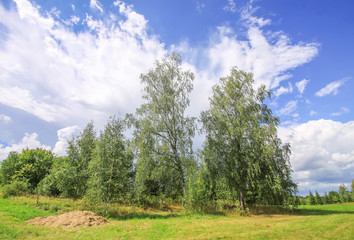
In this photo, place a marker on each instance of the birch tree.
(163, 131)
(111, 167)
(242, 144)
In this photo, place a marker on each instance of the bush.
(197, 195)
(49, 186)
(16, 188)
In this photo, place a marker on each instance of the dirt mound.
(70, 219)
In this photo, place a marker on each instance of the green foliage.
(325, 199)
(311, 199)
(197, 196)
(53, 182)
(344, 194)
(70, 174)
(333, 197)
(16, 188)
(163, 133)
(318, 199)
(9, 167)
(111, 167)
(80, 153)
(31, 166)
(242, 144)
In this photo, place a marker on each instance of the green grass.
(308, 222)
(21, 212)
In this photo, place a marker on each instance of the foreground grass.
(310, 222)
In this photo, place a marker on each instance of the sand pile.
(70, 219)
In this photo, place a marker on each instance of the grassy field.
(309, 222)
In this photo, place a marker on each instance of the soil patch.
(70, 219)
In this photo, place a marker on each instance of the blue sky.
(63, 63)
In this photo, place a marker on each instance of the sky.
(64, 63)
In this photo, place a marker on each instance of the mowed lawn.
(309, 222)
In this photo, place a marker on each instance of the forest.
(242, 162)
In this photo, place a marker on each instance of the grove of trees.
(242, 161)
(342, 196)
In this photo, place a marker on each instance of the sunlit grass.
(128, 222)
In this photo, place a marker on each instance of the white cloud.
(66, 77)
(268, 59)
(313, 113)
(288, 108)
(230, 7)
(247, 14)
(296, 115)
(5, 119)
(302, 85)
(343, 111)
(95, 4)
(64, 135)
(31, 141)
(322, 151)
(331, 88)
(74, 19)
(22, 99)
(200, 6)
(28, 141)
(283, 90)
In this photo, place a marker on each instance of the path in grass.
(313, 222)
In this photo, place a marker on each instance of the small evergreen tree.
(311, 199)
(325, 198)
(318, 199)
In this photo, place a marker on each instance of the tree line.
(242, 161)
(343, 195)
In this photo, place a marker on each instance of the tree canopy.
(30, 166)
(241, 141)
(163, 132)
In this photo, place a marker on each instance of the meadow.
(307, 222)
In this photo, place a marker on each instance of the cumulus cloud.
(5, 119)
(288, 108)
(269, 62)
(31, 141)
(28, 141)
(322, 152)
(65, 135)
(331, 88)
(302, 85)
(68, 77)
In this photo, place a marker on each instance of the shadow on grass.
(138, 216)
(131, 216)
(264, 210)
(314, 212)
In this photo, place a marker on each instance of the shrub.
(16, 188)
